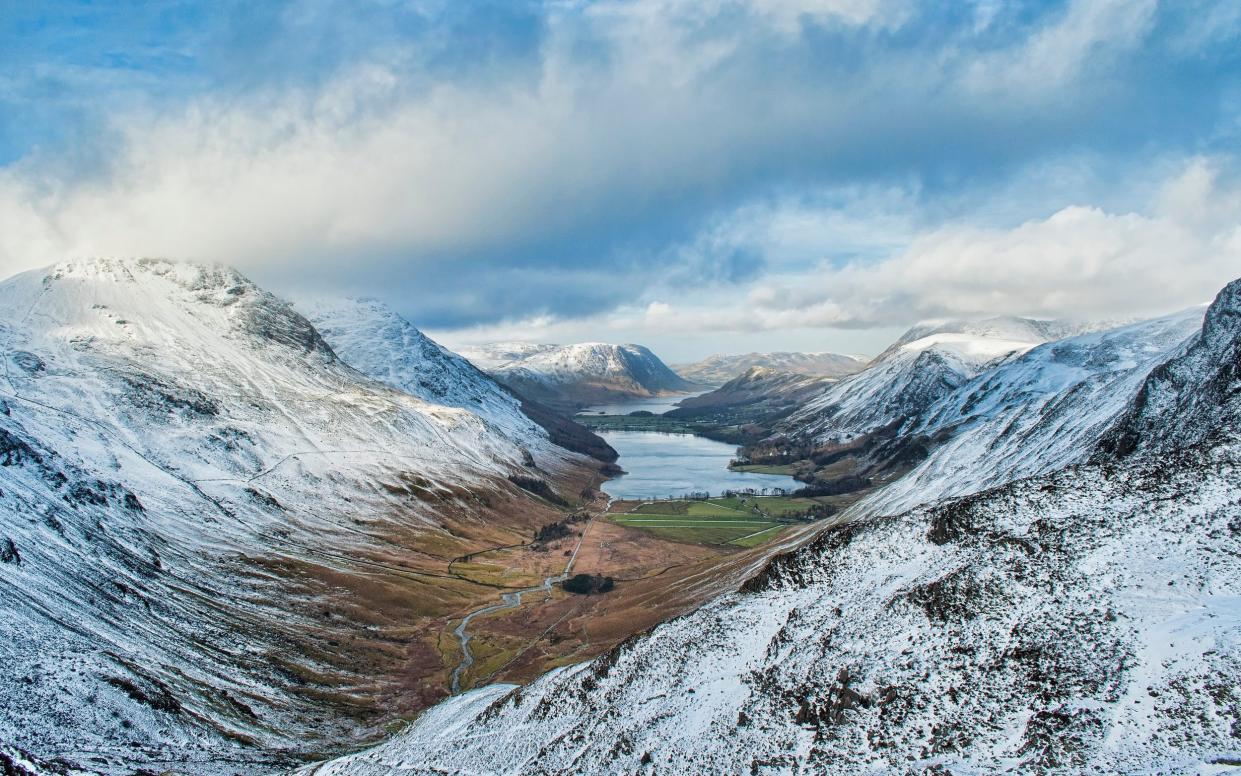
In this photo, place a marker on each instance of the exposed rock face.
(1191, 398)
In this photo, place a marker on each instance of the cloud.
(1087, 33)
(1080, 261)
(581, 157)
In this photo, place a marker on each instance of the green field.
(762, 537)
(705, 529)
(783, 505)
(742, 521)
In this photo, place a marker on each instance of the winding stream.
(510, 600)
(657, 465)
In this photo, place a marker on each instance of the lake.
(675, 464)
(657, 404)
(660, 465)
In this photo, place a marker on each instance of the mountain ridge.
(213, 529)
(372, 337)
(1078, 620)
(720, 368)
(589, 372)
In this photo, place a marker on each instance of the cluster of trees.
(835, 487)
(772, 491)
(814, 512)
(702, 495)
(551, 532)
(588, 584)
(560, 529)
(538, 487)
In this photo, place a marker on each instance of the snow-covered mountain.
(981, 340)
(762, 386)
(1037, 412)
(494, 355)
(1084, 620)
(215, 533)
(926, 364)
(589, 372)
(376, 340)
(721, 368)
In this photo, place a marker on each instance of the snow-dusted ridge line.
(721, 368)
(1035, 412)
(376, 340)
(923, 366)
(581, 373)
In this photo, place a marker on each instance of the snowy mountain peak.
(924, 365)
(210, 498)
(720, 368)
(988, 338)
(586, 372)
(118, 299)
(374, 339)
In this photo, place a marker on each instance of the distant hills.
(574, 376)
(720, 368)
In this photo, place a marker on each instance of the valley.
(232, 522)
(661, 555)
(1040, 576)
(660, 566)
(620, 388)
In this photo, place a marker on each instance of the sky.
(700, 177)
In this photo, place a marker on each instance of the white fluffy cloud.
(631, 108)
(1080, 261)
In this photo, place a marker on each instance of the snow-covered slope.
(377, 341)
(1086, 620)
(1037, 412)
(588, 372)
(494, 355)
(982, 340)
(207, 520)
(927, 363)
(721, 368)
(759, 386)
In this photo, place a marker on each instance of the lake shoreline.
(663, 465)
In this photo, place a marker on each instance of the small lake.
(658, 405)
(661, 465)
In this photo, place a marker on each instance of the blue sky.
(698, 176)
